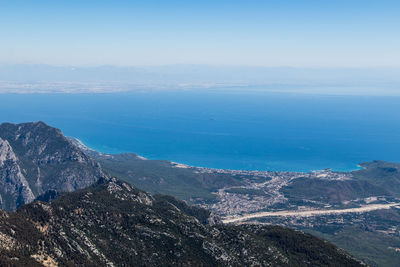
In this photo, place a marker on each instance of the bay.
(227, 129)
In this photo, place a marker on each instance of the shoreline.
(176, 164)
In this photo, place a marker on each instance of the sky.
(296, 33)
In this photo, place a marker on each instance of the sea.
(224, 129)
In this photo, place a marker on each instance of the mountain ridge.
(35, 158)
(114, 224)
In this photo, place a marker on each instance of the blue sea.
(224, 129)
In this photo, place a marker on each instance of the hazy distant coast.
(7, 87)
(110, 79)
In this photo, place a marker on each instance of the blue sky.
(298, 33)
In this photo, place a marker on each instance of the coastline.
(176, 164)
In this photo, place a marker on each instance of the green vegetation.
(372, 237)
(160, 177)
(378, 178)
(331, 191)
(366, 242)
(374, 248)
(112, 222)
(382, 174)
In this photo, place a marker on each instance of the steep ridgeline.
(113, 224)
(35, 158)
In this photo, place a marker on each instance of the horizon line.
(198, 65)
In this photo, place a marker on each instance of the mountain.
(332, 192)
(35, 158)
(375, 179)
(382, 174)
(112, 223)
(372, 236)
(94, 220)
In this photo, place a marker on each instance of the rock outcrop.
(35, 158)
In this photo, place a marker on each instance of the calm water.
(254, 131)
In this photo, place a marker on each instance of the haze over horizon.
(349, 45)
(246, 33)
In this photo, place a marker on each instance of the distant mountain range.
(199, 74)
(95, 220)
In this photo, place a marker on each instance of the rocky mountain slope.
(35, 158)
(372, 236)
(113, 224)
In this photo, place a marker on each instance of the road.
(308, 213)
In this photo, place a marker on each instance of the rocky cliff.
(35, 158)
